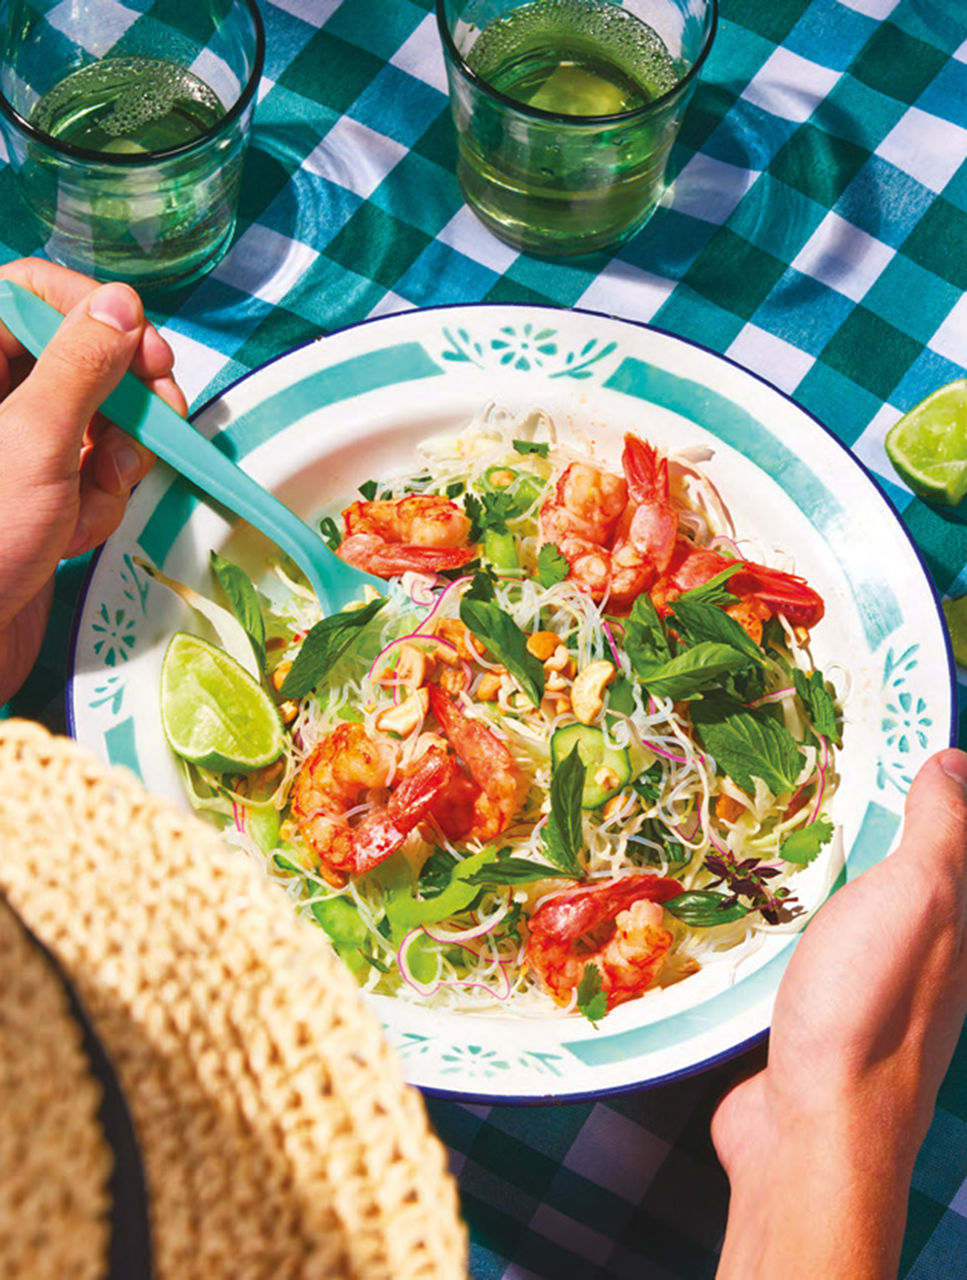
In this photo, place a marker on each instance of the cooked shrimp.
(423, 531)
(479, 803)
(615, 926)
(343, 768)
(585, 504)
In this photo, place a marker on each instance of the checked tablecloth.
(816, 233)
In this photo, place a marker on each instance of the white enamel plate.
(349, 407)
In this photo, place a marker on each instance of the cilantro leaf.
(323, 645)
(747, 743)
(818, 702)
(703, 908)
(688, 673)
(563, 834)
(592, 1001)
(244, 601)
(490, 511)
(531, 446)
(504, 639)
(803, 845)
(551, 565)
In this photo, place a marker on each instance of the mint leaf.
(323, 645)
(697, 620)
(505, 641)
(803, 845)
(592, 1001)
(244, 602)
(714, 591)
(747, 743)
(563, 834)
(551, 565)
(819, 704)
(703, 908)
(531, 446)
(689, 673)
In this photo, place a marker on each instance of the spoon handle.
(147, 418)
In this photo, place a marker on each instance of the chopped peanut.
(605, 778)
(489, 686)
(587, 692)
(542, 644)
(728, 808)
(411, 667)
(406, 715)
(452, 680)
(559, 659)
(288, 710)
(562, 704)
(456, 633)
(615, 805)
(278, 676)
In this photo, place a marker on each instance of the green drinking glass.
(127, 129)
(566, 111)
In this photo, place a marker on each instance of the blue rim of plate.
(734, 1050)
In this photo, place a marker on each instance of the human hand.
(819, 1146)
(65, 472)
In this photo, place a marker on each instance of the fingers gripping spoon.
(147, 418)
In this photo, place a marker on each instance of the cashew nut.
(456, 633)
(558, 660)
(406, 715)
(278, 676)
(615, 805)
(606, 779)
(542, 644)
(588, 689)
(555, 682)
(410, 667)
(502, 478)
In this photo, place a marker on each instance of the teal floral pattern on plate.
(527, 348)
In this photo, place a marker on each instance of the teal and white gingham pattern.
(817, 234)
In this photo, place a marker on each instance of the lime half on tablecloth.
(928, 446)
(214, 714)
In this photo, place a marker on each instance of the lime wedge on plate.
(928, 446)
(955, 612)
(214, 714)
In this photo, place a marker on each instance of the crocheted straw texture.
(278, 1138)
(54, 1160)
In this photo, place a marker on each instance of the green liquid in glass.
(577, 183)
(128, 105)
(146, 205)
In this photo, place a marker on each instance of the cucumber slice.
(608, 768)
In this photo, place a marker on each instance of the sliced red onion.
(821, 784)
(611, 643)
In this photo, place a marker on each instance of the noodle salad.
(577, 751)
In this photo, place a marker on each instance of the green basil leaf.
(531, 446)
(697, 620)
(803, 845)
(818, 702)
(703, 908)
(591, 1000)
(323, 645)
(646, 640)
(714, 591)
(331, 534)
(689, 673)
(563, 834)
(505, 641)
(244, 601)
(368, 489)
(551, 565)
(516, 871)
(747, 743)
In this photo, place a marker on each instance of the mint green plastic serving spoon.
(155, 424)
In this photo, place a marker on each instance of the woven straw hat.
(277, 1137)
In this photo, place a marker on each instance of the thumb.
(80, 367)
(935, 816)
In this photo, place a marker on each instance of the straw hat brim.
(277, 1135)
